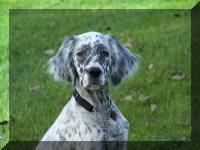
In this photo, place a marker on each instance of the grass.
(102, 4)
(164, 40)
(4, 85)
(78, 4)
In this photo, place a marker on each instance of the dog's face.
(90, 58)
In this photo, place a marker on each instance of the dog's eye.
(81, 53)
(105, 53)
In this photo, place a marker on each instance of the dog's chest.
(75, 125)
(87, 128)
(111, 133)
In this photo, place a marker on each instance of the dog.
(88, 61)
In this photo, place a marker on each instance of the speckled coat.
(76, 56)
(77, 124)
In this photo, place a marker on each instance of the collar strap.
(82, 101)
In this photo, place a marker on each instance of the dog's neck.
(98, 98)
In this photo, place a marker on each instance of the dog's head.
(90, 58)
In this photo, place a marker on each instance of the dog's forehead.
(92, 39)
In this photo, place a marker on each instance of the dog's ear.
(123, 61)
(61, 65)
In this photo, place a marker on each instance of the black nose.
(94, 72)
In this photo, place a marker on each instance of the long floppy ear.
(61, 65)
(123, 61)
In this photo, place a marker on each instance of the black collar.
(82, 101)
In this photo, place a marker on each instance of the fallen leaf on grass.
(150, 66)
(128, 99)
(177, 77)
(108, 28)
(177, 72)
(12, 118)
(49, 52)
(52, 24)
(4, 122)
(93, 10)
(128, 44)
(177, 15)
(141, 49)
(34, 90)
(143, 99)
(153, 107)
(117, 101)
(145, 122)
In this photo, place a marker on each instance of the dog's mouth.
(95, 85)
(92, 83)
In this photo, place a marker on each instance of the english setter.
(87, 60)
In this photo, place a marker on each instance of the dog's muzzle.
(94, 78)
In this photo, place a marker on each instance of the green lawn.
(4, 85)
(101, 4)
(159, 35)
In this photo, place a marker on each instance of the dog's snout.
(94, 72)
